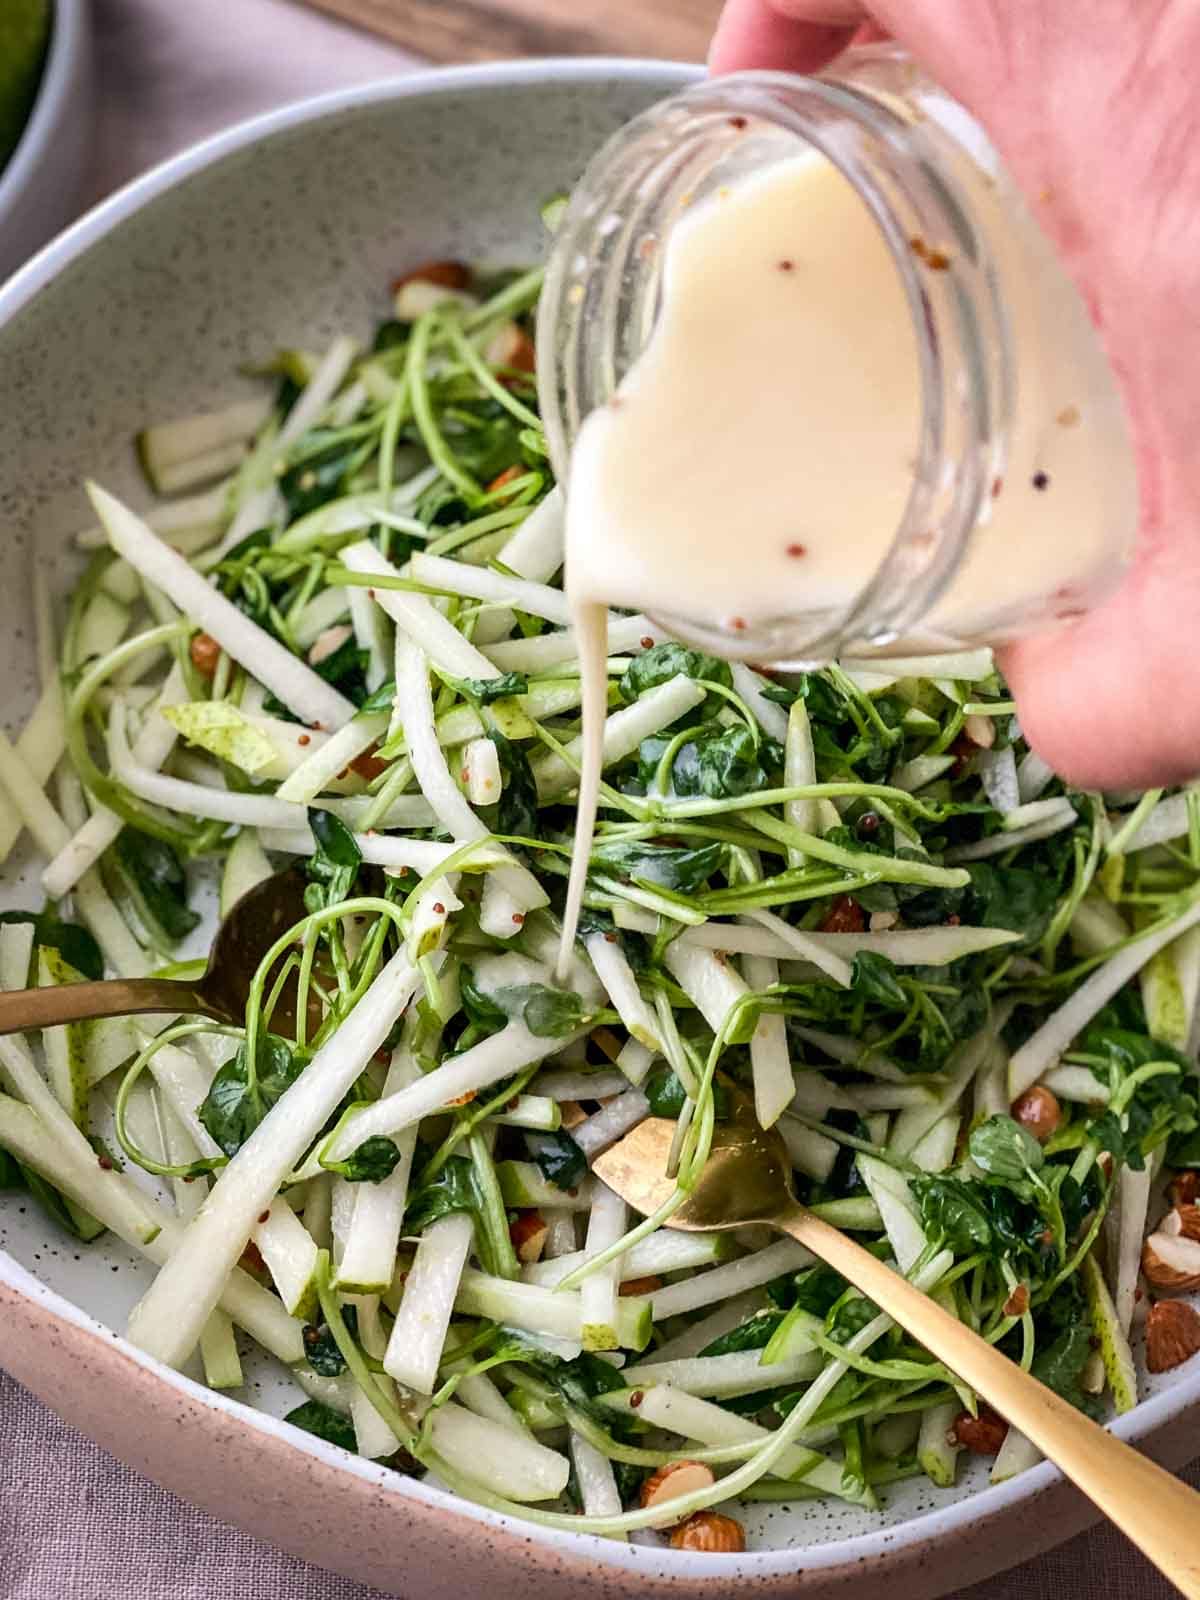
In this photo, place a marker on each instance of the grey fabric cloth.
(77, 1525)
(74, 1523)
(169, 72)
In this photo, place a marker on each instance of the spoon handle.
(1158, 1513)
(76, 1002)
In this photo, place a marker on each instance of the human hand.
(1091, 105)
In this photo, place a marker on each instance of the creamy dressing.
(757, 461)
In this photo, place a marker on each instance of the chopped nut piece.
(980, 730)
(607, 1042)
(446, 274)
(1172, 1335)
(982, 1435)
(528, 1231)
(205, 653)
(502, 479)
(671, 1482)
(329, 640)
(710, 1532)
(1184, 1188)
(1184, 1221)
(844, 916)
(647, 1285)
(368, 765)
(1038, 1112)
(511, 347)
(1017, 1303)
(1171, 1261)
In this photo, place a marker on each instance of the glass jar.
(1021, 496)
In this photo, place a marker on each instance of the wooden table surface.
(484, 30)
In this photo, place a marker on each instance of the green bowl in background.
(24, 35)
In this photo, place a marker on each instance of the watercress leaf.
(669, 866)
(731, 762)
(336, 846)
(325, 1423)
(665, 1092)
(593, 919)
(378, 700)
(753, 1334)
(319, 477)
(1005, 1150)
(849, 1317)
(952, 1215)
(547, 1013)
(484, 691)
(390, 334)
(580, 1380)
(454, 1188)
(662, 662)
(1129, 1050)
(818, 1290)
(1059, 1365)
(560, 1160)
(237, 1101)
(481, 1008)
(334, 863)
(373, 1160)
(154, 875)
(321, 1348)
(822, 700)
(73, 942)
(874, 977)
(780, 694)
(667, 1095)
(1015, 898)
(629, 1480)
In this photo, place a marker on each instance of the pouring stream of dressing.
(590, 622)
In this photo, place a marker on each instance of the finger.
(835, 13)
(1113, 702)
(756, 33)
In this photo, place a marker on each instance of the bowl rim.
(65, 54)
(859, 1550)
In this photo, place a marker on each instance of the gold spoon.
(243, 939)
(748, 1179)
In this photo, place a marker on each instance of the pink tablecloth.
(74, 1523)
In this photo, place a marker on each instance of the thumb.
(796, 36)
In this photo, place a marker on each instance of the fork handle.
(113, 997)
(1155, 1511)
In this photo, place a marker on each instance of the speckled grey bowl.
(281, 232)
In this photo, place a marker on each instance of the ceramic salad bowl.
(281, 232)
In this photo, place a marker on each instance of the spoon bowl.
(243, 939)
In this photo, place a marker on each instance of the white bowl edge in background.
(42, 182)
